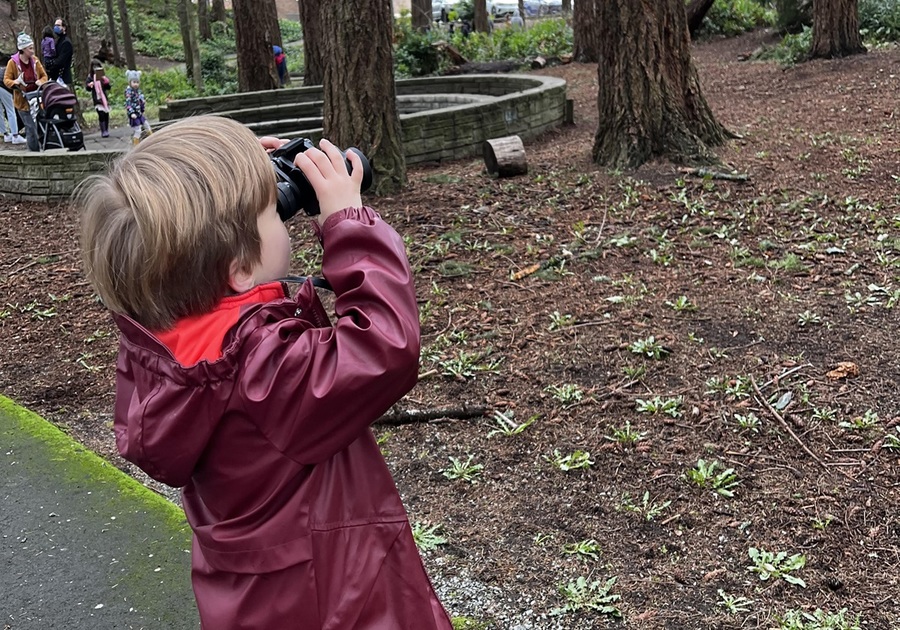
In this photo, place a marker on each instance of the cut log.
(505, 157)
(538, 62)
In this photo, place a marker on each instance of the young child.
(48, 45)
(250, 398)
(99, 86)
(135, 104)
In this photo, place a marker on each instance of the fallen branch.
(784, 423)
(411, 416)
(784, 375)
(705, 172)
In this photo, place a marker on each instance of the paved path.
(82, 545)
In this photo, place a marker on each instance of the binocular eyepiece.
(294, 190)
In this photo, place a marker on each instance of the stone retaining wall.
(31, 176)
(447, 118)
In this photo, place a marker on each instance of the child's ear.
(240, 280)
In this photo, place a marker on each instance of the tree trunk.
(314, 63)
(254, 39)
(836, 29)
(482, 18)
(126, 35)
(421, 15)
(567, 7)
(218, 10)
(189, 40)
(76, 18)
(40, 14)
(203, 19)
(649, 97)
(365, 115)
(585, 26)
(113, 35)
(696, 11)
(14, 9)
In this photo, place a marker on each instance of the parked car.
(440, 9)
(551, 7)
(502, 8)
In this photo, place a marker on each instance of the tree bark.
(40, 14)
(696, 11)
(254, 41)
(203, 19)
(14, 9)
(359, 92)
(836, 29)
(567, 7)
(127, 42)
(584, 25)
(649, 96)
(314, 63)
(482, 18)
(113, 35)
(421, 15)
(218, 10)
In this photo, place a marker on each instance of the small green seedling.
(626, 436)
(426, 536)
(559, 321)
(818, 620)
(574, 461)
(705, 475)
(465, 470)
(583, 595)
(646, 508)
(669, 406)
(583, 549)
(861, 423)
(567, 394)
(649, 348)
(681, 304)
(734, 604)
(747, 422)
(776, 565)
(509, 427)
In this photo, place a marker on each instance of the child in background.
(135, 104)
(48, 45)
(280, 64)
(251, 399)
(98, 85)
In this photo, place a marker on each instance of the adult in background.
(61, 65)
(24, 73)
(9, 124)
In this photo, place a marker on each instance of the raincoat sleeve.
(313, 391)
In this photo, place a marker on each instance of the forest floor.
(690, 371)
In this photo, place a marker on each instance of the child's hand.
(91, 85)
(270, 143)
(133, 116)
(326, 171)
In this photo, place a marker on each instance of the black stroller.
(53, 109)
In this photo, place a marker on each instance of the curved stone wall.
(441, 118)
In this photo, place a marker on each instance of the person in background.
(516, 20)
(24, 73)
(48, 45)
(98, 85)
(59, 69)
(280, 64)
(135, 105)
(9, 123)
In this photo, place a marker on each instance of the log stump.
(505, 157)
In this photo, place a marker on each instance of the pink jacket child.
(260, 409)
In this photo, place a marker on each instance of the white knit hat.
(132, 75)
(23, 41)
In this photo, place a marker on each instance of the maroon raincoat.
(297, 522)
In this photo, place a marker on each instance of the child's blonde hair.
(162, 228)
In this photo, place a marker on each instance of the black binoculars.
(294, 190)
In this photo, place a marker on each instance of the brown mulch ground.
(783, 277)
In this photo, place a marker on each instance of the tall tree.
(836, 29)
(42, 13)
(187, 25)
(314, 62)
(203, 19)
(359, 93)
(482, 17)
(584, 27)
(76, 18)
(14, 9)
(113, 35)
(254, 38)
(567, 7)
(696, 11)
(421, 14)
(218, 10)
(649, 96)
(127, 42)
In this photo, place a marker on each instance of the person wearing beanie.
(24, 73)
(135, 104)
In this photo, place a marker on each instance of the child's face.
(275, 247)
(135, 84)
